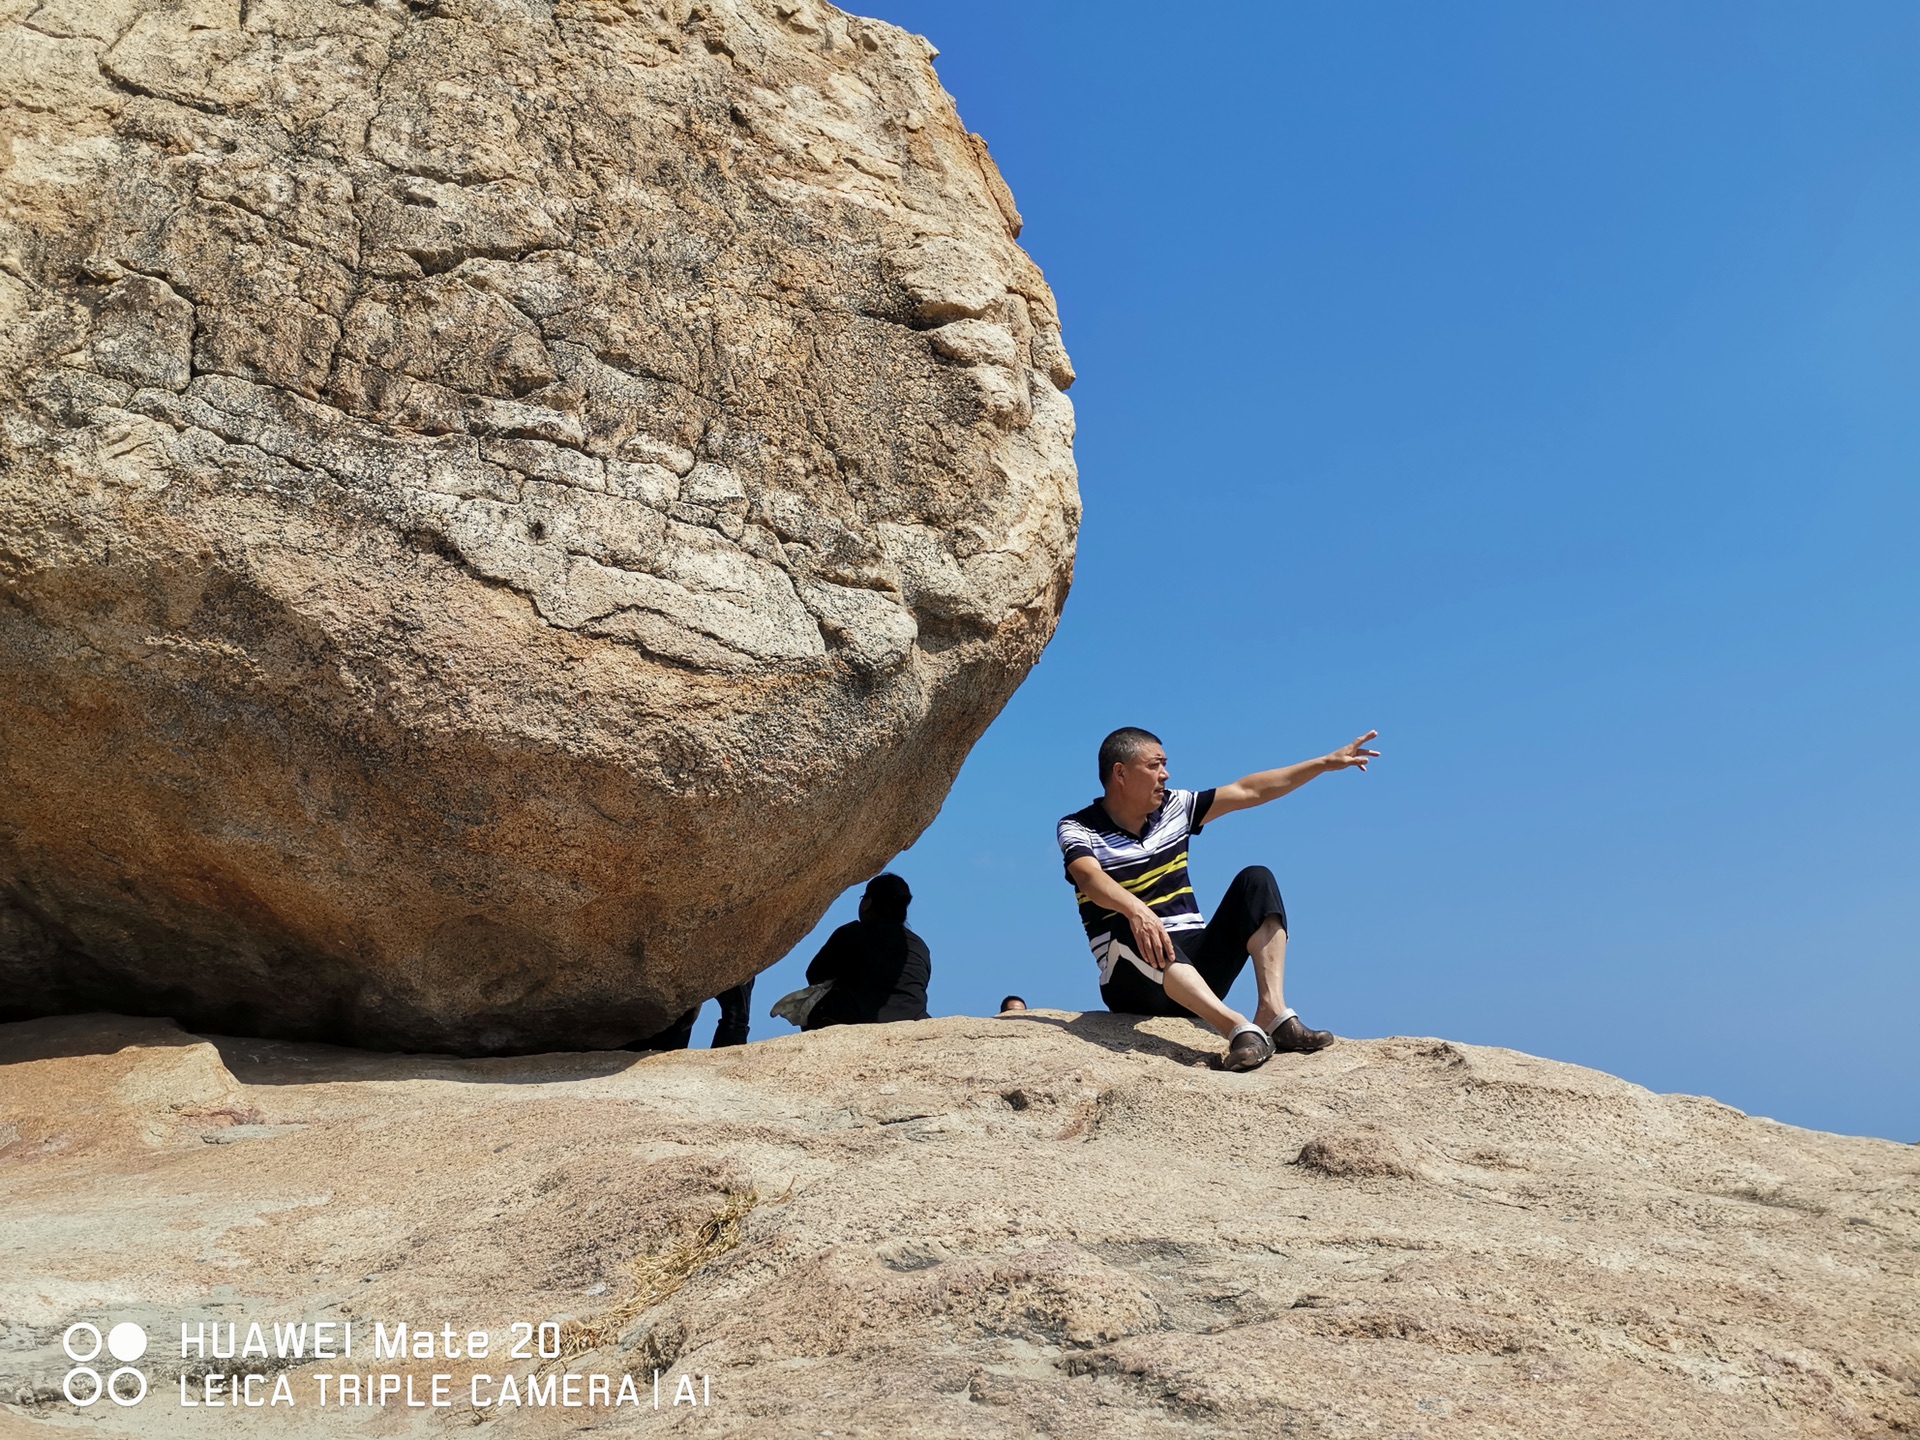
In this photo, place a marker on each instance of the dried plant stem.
(659, 1276)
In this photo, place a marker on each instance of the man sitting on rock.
(1126, 855)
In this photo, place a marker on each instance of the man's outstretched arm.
(1245, 793)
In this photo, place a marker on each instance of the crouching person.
(877, 967)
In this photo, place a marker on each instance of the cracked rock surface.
(506, 507)
(1053, 1225)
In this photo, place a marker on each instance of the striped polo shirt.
(1152, 864)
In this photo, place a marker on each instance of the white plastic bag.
(796, 1007)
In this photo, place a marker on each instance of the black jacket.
(879, 973)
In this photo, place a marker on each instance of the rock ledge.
(1059, 1224)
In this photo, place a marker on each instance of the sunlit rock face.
(1054, 1225)
(505, 509)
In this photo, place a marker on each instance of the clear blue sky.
(1539, 385)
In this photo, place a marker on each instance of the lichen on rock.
(505, 508)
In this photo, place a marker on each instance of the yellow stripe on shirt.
(1140, 882)
(1137, 884)
(1157, 900)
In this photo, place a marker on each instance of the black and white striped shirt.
(1152, 865)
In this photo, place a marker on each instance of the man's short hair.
(1122, 747)
(889, 897)
(1011, 1001)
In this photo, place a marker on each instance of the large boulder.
(506, 509)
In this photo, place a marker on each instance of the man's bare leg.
(1268, 950)
(1183, 983)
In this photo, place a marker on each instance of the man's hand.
(1354, 756)
(1150, 937)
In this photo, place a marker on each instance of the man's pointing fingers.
(1355, 753)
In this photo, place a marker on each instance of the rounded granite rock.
(506, 509)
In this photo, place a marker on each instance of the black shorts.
(1218, 952)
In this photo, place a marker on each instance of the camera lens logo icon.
(125, 1342)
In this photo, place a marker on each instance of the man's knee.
(1256, 889)
(1257, 880)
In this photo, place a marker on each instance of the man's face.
(1142, 781)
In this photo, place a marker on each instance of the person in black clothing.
(879, 968)
(732, 1029)
(734, 1003)
(677, 1036)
